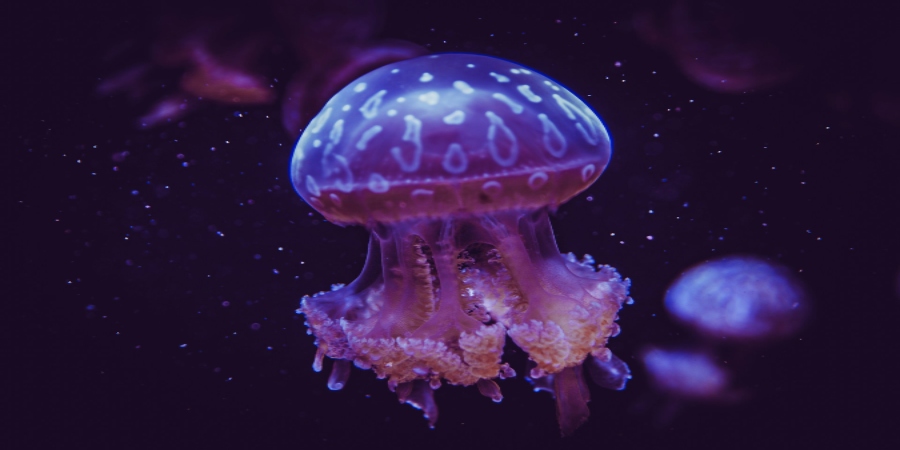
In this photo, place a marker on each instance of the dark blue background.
(117, 336)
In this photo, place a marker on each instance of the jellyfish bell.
(444, 134)
(453, 161)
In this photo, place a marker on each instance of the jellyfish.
(683, 376)
(453, 162)
(720, 47)
(686, 373)
(226, 56)
(739, 297)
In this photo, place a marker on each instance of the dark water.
(154, 273)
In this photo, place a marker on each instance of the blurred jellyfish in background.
(686, 375)
(733, 305)
(737, 47)
(690, 374)
(229, 56)
(719, 46)
(742, 298)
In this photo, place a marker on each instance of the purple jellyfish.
(453, 162)
(687, 374)
(741, 298)
(226, 56)
(719, 46)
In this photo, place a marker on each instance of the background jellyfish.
(716, 46)
(228, 54)
(685, 375)
(689, 374)
(743, 47)
(453, 162)
(735, 305)
(137, 280)
(739, 297)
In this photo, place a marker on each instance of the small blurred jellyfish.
(718, 46)
(740, 297)
(227, 55)
(686, 374)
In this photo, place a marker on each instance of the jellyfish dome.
(453, 162)
(447, 133)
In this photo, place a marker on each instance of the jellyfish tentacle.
(490, 389)
(419, 395)
(611, 373)
(340, 372)
(572, 397)
(556, 324)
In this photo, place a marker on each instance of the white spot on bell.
(359, 87)
(591, 134)
(587, 172)
(422, 195)
(492, 188)
(455, 160)
(463, 87)
(369, 109)
(554, 141)
(299, 156)
(378, 184)
(430, 98)
(426, 77)
(312, 187)
(511, 145)
(500, 78)
(525, 90)
(413, 134)
(515, 107)
(334, 137)
(537, 180)
(455, 118)
(336, 168)
(367, 136)
(319, 121)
